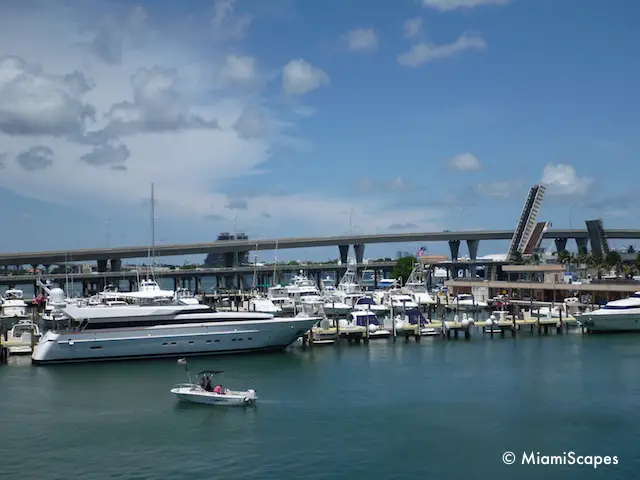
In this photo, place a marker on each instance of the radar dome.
(56, 296)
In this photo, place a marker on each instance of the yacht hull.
(170, 340)
(629, 322)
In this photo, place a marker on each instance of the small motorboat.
(19, 338)
(204, 391)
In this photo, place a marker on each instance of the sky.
(287, 118)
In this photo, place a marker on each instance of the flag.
(182, 361)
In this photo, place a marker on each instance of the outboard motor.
(251, 396)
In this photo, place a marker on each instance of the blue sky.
(413, 115)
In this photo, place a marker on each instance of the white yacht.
(616, 316)
(416, 286)
(410, 317)
(349, 289)
(333, 301)
(19, 337)
(263, 305)
(466, 301)
(138, 330)
(397, 299)
(367, 318)
(303, 290)
(384, 285)
(279, 296)
(13, 304)
(367, 302)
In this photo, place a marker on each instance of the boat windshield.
(13, 295)
(366, 301)
(417, 287)
(361, 320)
(18, 330)
(309, 294)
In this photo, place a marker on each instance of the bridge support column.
(582, 244)
(115, 264)
(454, 246)
(198, 285)
(454, 271)
(359, 251)
(561, 244)
(472, 245)
(344, 253)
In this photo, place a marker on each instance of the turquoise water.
(437, 409)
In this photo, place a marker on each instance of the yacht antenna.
(66, 273)
(153, 233)
(275, 264)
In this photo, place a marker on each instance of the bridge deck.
(51, 257)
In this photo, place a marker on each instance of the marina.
(304, 240)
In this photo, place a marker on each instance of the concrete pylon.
(583, 244)
(561, 244)
(116, 264)
(102, 266)
(359, 251)
(454, 246)
(344, 253)
(472, 245)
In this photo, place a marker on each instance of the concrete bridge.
(472, 237)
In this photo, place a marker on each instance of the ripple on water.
(383, 411)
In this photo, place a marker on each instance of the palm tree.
(595, 260)
(631, 249)
(613, 260)
(517, 258)
(563, 257)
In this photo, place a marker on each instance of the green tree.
(613, 260)
(517, 258)
(563, 257)
(631, 249)
(595, 260)
(403, 268)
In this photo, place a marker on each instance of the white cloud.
(362, 40)
(562, 179)
(226, 24)
(424, 52)
(445, 5)
(251, 124)
(464, 162)
(412, 27)
(239, 70)
(95, 132)
(300, 77)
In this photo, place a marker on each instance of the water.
(438, 409)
